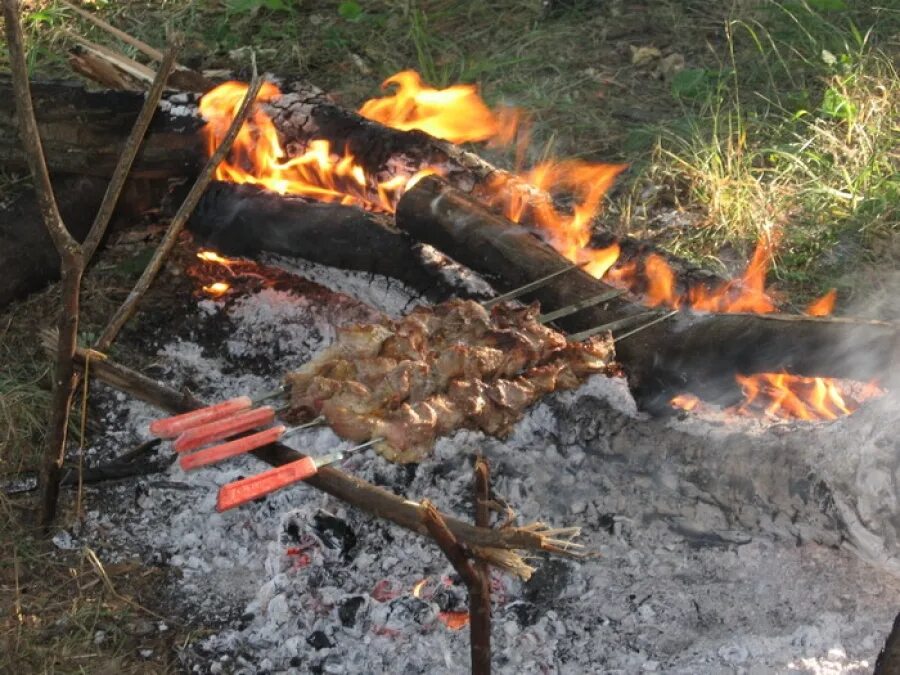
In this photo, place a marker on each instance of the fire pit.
(715, 521)
(723, 541)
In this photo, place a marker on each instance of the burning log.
(694, 352)
(245, 220)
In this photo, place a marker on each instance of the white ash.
(300, 583)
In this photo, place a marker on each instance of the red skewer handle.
(196, 437)
(232, 448)
(170, 427)
(247, 489)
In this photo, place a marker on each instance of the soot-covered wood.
(689, 352)
(246, 220)
(83, 131)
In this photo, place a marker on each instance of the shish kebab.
(448, 394)
(171, 427)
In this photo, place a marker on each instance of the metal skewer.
(580, 305)
(647, 325)
(531, 286)
(627, 322)
(247, 489)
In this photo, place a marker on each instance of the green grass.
(795, 131)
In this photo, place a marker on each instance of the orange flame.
(459, 114)
(568, 233)
(456, 114)
(258, 157)
(824, 305)
(805, 398)
(685, 401)
(217, 289)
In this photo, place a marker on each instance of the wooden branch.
(480, 594)
(137, 71)
(183, 78)
(690, 352)
(129, 152)
(72, 266)
(153, 53)
(354, 491)
(28, 131)
(474, 581)
(97, 69)
(128, 308)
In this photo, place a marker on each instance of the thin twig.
(152, 52)
(129, 152)
(444, 538)
(480, 594)
(71, 267)
(128, 308)
(475, 583)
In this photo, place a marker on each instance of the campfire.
(458, 114)
(403, 331)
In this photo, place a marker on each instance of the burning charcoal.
(335, 533)
(348, 610)
(548, 583)
(318, 640)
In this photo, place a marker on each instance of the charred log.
(83, 131)
(694, 352)
(246, 220)
(27, 256)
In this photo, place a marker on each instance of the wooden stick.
(456, 554)
(128, 308)
(353, 490)
(72, 265)
(153, 53)
(480, 594)
(138, 71)
(129, 152)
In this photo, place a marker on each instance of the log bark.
(83, 131)
(700, 353)
(246, 220)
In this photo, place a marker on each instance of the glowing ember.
(685, 401)
(454, 620)
(212, 256)
(824, 305)
(417, 589)
(217, 289)
(456, 114)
